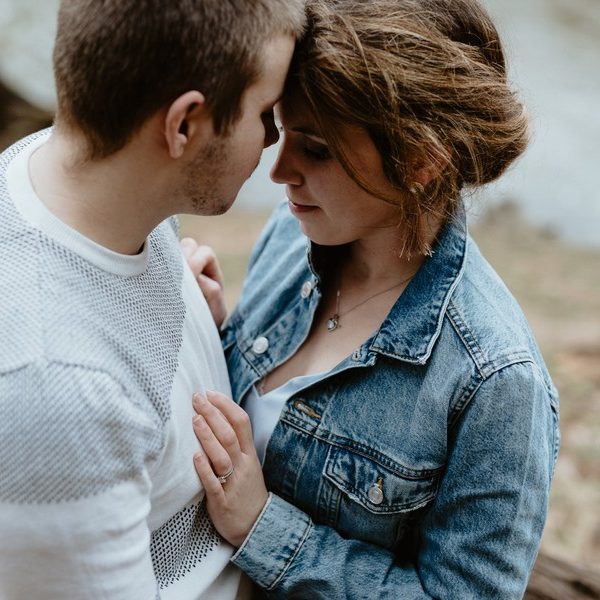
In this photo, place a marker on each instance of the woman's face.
(331, 207)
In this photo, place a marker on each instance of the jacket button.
(306, 289)
(375, 494)
(260, 345)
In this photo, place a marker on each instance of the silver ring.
(223, 478)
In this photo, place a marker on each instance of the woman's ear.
(186, 119)
(429, 167)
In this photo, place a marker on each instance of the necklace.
(334, 321)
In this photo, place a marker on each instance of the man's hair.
(117, 62)
(427, 80)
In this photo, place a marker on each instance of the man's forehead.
(277, 55)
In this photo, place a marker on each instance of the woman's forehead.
(293, 107)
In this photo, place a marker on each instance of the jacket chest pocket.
(364, 500)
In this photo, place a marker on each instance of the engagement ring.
(223, 478)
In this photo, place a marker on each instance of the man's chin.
(211, 208)
(223, 209)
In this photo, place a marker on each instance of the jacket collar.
(414, 324)
(412, 327)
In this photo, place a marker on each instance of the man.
(163, 107)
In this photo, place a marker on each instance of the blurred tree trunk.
(554, 579)
(18, 118)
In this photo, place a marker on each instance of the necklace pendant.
(333, 323)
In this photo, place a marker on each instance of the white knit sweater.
(99, 356)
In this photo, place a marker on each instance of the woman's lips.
(301, 208)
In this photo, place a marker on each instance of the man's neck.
(115, 202)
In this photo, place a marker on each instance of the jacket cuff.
(273, 542)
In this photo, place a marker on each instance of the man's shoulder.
(44, 304)
(69, 432)
(59, 306)
(22, 275)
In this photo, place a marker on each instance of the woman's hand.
(206, 269)
(224, 431)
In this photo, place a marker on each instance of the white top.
(99, 359)
(264, 411)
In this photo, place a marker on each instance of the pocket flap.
(375, 487)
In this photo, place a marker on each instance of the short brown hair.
(427, 80)
(117, 62)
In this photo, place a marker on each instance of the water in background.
(553, 48)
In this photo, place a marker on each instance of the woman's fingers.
(212, 268)
(205, 267)
(213, 292)
(210, 288)
(234, 502)
(219, 457)
(188, 247)
(219, 427)
(212, 486)
(203, 261)
(237, 417)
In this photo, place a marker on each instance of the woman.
(404, 418)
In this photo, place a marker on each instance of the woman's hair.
(427, 80)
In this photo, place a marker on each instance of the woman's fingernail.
(198, 399)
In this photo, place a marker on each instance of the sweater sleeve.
(74, 489)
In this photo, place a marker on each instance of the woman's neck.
(378, 259)
(372, 264)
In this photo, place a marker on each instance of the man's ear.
(186, 119)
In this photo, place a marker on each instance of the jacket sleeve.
(479, 539)
(74, 492)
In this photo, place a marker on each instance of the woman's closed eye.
(314, 150)
(312, 147)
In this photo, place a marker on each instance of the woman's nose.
(284, 171)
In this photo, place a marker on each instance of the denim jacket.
(420, 467)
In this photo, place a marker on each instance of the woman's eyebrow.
(311, 133)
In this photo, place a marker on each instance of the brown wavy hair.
(427, 80)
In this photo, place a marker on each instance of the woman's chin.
(319, 236)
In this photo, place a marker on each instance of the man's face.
(214, 178)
